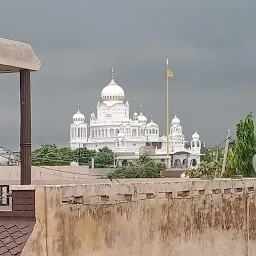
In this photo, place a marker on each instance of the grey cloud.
(210, 44)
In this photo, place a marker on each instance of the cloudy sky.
(211, 47)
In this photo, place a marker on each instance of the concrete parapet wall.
(51, 174)
(146, 217)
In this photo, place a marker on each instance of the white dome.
(135, 114)
(78, 117)
(142, 118)
(195, 136)
(175, 120)
(152, 124)
(112, 91)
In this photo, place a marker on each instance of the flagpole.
(167, 116)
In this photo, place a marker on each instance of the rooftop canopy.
(20, 57)
(16, 56)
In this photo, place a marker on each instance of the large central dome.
(112, 91)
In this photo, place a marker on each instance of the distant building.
(8, 157)
(113, 127)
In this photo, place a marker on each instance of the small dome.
(112, 91)
(142, 118)
(135, 114)
(195, 136)
(93, 117)
(175, 120)
(152, 124)
(78, 117)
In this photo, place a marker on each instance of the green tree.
(207, 154)
(230, 169)
(104, 158)
(245, 147)
(51, 155)
(144, 167)
(212, 168)
(211, 163)
(84, 156)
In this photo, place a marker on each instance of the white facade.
(112, 126)
(8, 157)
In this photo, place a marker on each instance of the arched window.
(96, 134)
(78, 133)
(85, 135)
(194, 162)
(134, 132)
(117, 131)
(102, 133)
(184, 163)
(193, 144)
(92, 133)
(177, 163)
(198, 144)
(99, 133)
(111, 131)
(106, 132)
(153, 131)
(124, 162)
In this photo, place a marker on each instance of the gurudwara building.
(127, 136)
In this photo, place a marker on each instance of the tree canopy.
(245, 147)
(51, 155)
(144, 167)
(239, 158)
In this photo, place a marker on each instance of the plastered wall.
(146, 217)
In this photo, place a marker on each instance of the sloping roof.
(15, 56)
(14, 235)
(17, 224)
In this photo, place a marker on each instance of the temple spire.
(112, 73)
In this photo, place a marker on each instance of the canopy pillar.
(25, 128)
(19, 57)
